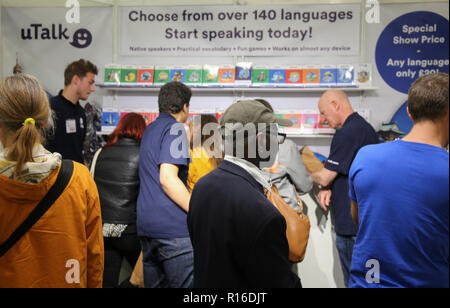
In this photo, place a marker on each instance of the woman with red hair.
(115, 170)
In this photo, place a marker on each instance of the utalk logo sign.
(81, 38)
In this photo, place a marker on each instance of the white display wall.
(45, 53)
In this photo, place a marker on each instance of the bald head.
(335, 107)
(334, 95)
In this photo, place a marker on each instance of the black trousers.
(127, 246)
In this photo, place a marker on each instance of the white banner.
(325, 30)
(48, 39)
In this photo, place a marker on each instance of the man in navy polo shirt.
(163, 200)
(353, 132)
(70, 118)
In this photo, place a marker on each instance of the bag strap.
(64, 176)
(94, 162)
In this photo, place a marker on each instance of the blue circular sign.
(412, 45)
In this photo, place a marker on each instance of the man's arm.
(355, 212)
(324, 177)
(325, 198)
(173, 186)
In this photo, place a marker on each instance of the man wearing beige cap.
(239, 237)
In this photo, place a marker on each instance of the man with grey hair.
(239, 237)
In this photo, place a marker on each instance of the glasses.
(281, 138)
(273, 130)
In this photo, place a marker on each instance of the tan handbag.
(137, 277)
(297, 225)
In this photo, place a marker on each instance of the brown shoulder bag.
(297, 225)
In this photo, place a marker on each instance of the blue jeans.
(344, 245)
(168, 263)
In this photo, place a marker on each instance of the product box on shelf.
(193, 75)
(112, 75)
(261, 75)
(328, 75)
(129, 75)
(295, 117)
(294, 76)
(226, 75)
(178, 73)
(363, 75)
(243, 74)
(162, 75)
(110, 119)
(277, 76)
(146, 75)
(309, 122)
(311, 75)
(345, 75)
(210, 75)
(219, 113)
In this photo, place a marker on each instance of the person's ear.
(185, 108)
(409, 114)
(335, 105)
(76, 80)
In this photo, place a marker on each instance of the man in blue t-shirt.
(400, 198)
(353, 132)
(163, 200)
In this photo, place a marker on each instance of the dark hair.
(265, 103)
(173, 96)
(78, 68)
(428, 97)
(206, 119)
(132, 125)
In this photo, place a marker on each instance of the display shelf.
(240, 89)
(320, 136)
(289, 135)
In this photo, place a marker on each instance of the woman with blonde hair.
(48, 238)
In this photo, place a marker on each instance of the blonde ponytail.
(24, 111)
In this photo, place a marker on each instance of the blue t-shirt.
(164, 141)
(403, 199)
(352, 136)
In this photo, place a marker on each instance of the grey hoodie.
(289, 174)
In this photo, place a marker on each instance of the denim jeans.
(168, 263)
(344, 245)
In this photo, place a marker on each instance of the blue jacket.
(238, 236)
